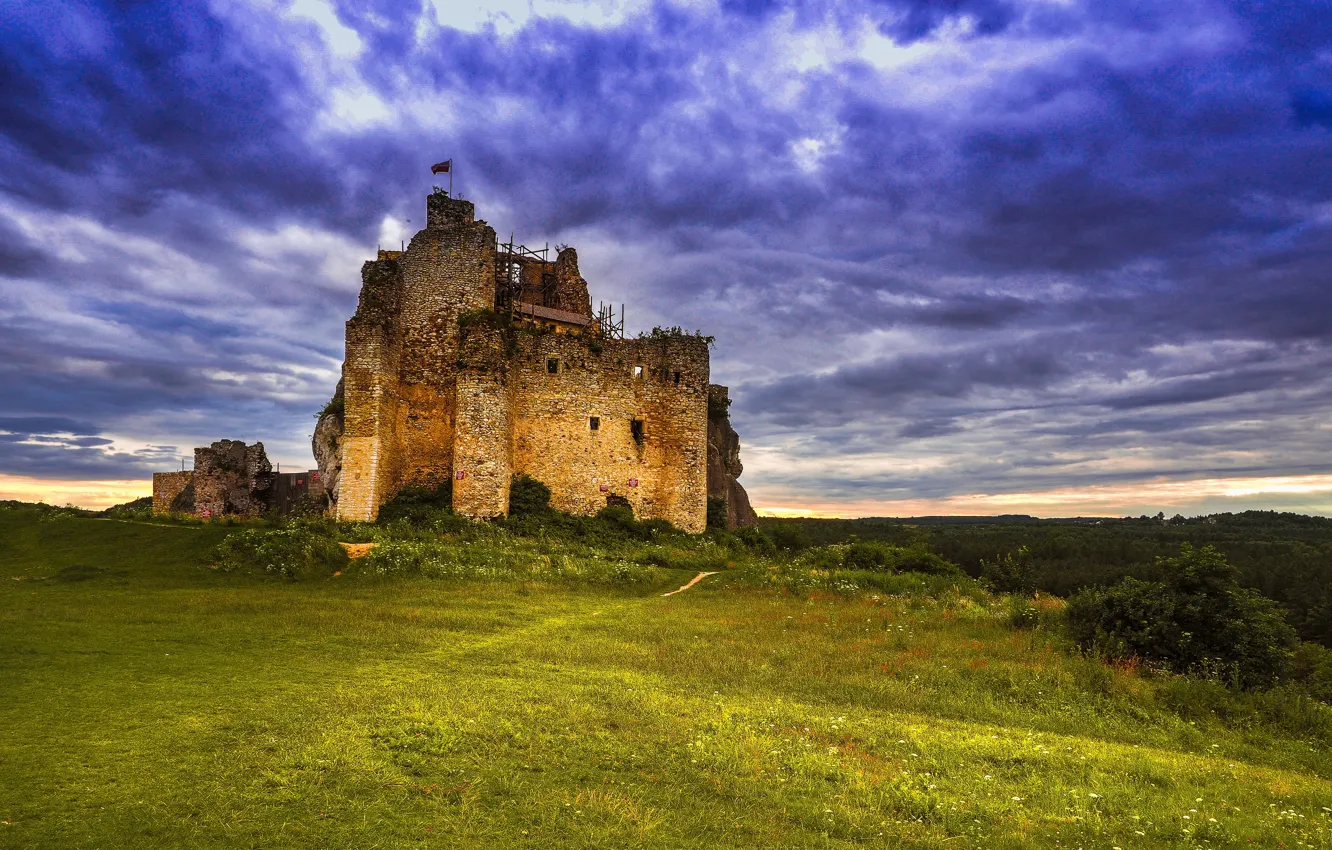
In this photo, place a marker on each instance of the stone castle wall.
(167, 486)
(663, 474)
(402, 350)
(231, 479)
(428, 401)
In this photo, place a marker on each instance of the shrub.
(755, 540)
(418, 505)
(137, 509)
(828, 559)
(717, 512)
(719, 407)
(917, 558)
(286, 552)
(1011, 572)
(656, 526)
(336, 406)
(1311, 670)
(788, 536)
(1198, 620)
(528, 496)
(618, 516)
(865, 556)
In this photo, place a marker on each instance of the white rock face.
(327, 446)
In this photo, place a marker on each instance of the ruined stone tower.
(469, 361)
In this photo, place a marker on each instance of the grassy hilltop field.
(175, 684)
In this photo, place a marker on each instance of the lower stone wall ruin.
(166, 487)
(660, 471)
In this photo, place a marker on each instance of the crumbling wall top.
(443, 211)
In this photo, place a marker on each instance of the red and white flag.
(444, 167)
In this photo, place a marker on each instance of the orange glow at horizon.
(1108, 500)
(85, 494)
(1093, 500)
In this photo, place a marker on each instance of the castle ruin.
(470, 361)
(231, 478)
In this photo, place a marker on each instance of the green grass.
(151, 702)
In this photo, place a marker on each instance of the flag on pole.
(445, 167)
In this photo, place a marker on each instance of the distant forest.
(1287, 557)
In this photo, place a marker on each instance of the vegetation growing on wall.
(674, 332)
(336, 406)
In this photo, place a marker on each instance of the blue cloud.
(1001, 233)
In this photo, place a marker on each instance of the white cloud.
(507, 16)
(342, 40)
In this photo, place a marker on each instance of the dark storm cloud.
(1072, 234)
(54, 447)
(885, 383)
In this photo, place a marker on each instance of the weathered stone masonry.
(429, 400)
(231, 478)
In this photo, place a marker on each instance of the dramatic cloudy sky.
(960, 256)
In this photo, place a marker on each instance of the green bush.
(917, 558)
(418, 505)
(876, 557)
(1311, 670)
(528, 496)
(828, 559)
(286, 552)
(865, 556)
(655, 527)
(753, 539)
(336, 406)
(1198, 620)
(1011, 572)
(618, 516)
(788, 536)
(717, 512)
(137, 509)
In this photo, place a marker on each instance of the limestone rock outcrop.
(724, 465)
(327, 445)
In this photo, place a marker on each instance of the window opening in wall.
(553, 365)
(594, 423)
(638, 371)
(636, 428)
(677, 378)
